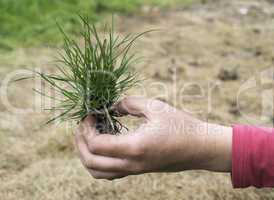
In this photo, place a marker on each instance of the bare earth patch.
(200, 45)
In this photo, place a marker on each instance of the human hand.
(169, 141)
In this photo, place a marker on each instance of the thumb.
(88, 126)
(140, 107)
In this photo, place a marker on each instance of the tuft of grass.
(91, 79)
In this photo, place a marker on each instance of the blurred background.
(214, 46)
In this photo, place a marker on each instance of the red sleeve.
(252, 157)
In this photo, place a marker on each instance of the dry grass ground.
(202, 44)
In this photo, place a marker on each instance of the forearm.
(211, 150)
(220, 148)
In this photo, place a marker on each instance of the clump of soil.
(228, 73)
(234, 108)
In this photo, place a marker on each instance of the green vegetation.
(93, 78)
(33, 22)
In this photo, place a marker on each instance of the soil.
(200, 60)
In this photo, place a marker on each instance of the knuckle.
(126, 99)
(95, 174)
(126, 102)
(88, 163)
(136, 168)
(157, 106)
(129, 102)
(138, 149)
(92, 146)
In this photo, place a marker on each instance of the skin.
(169, 141)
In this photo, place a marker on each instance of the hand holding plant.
(169, 141)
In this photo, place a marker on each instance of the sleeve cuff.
(252, 153)
(240, 141)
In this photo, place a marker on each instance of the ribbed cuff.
(252, 156)
(240, 156)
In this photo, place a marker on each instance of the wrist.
(219, 147)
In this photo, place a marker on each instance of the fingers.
(106, 175)
(110, 156)
(122, 146)
(142, 107)
(127, 146)
(103, 144)
(135, 106)
(98, 162)
(88, 126)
